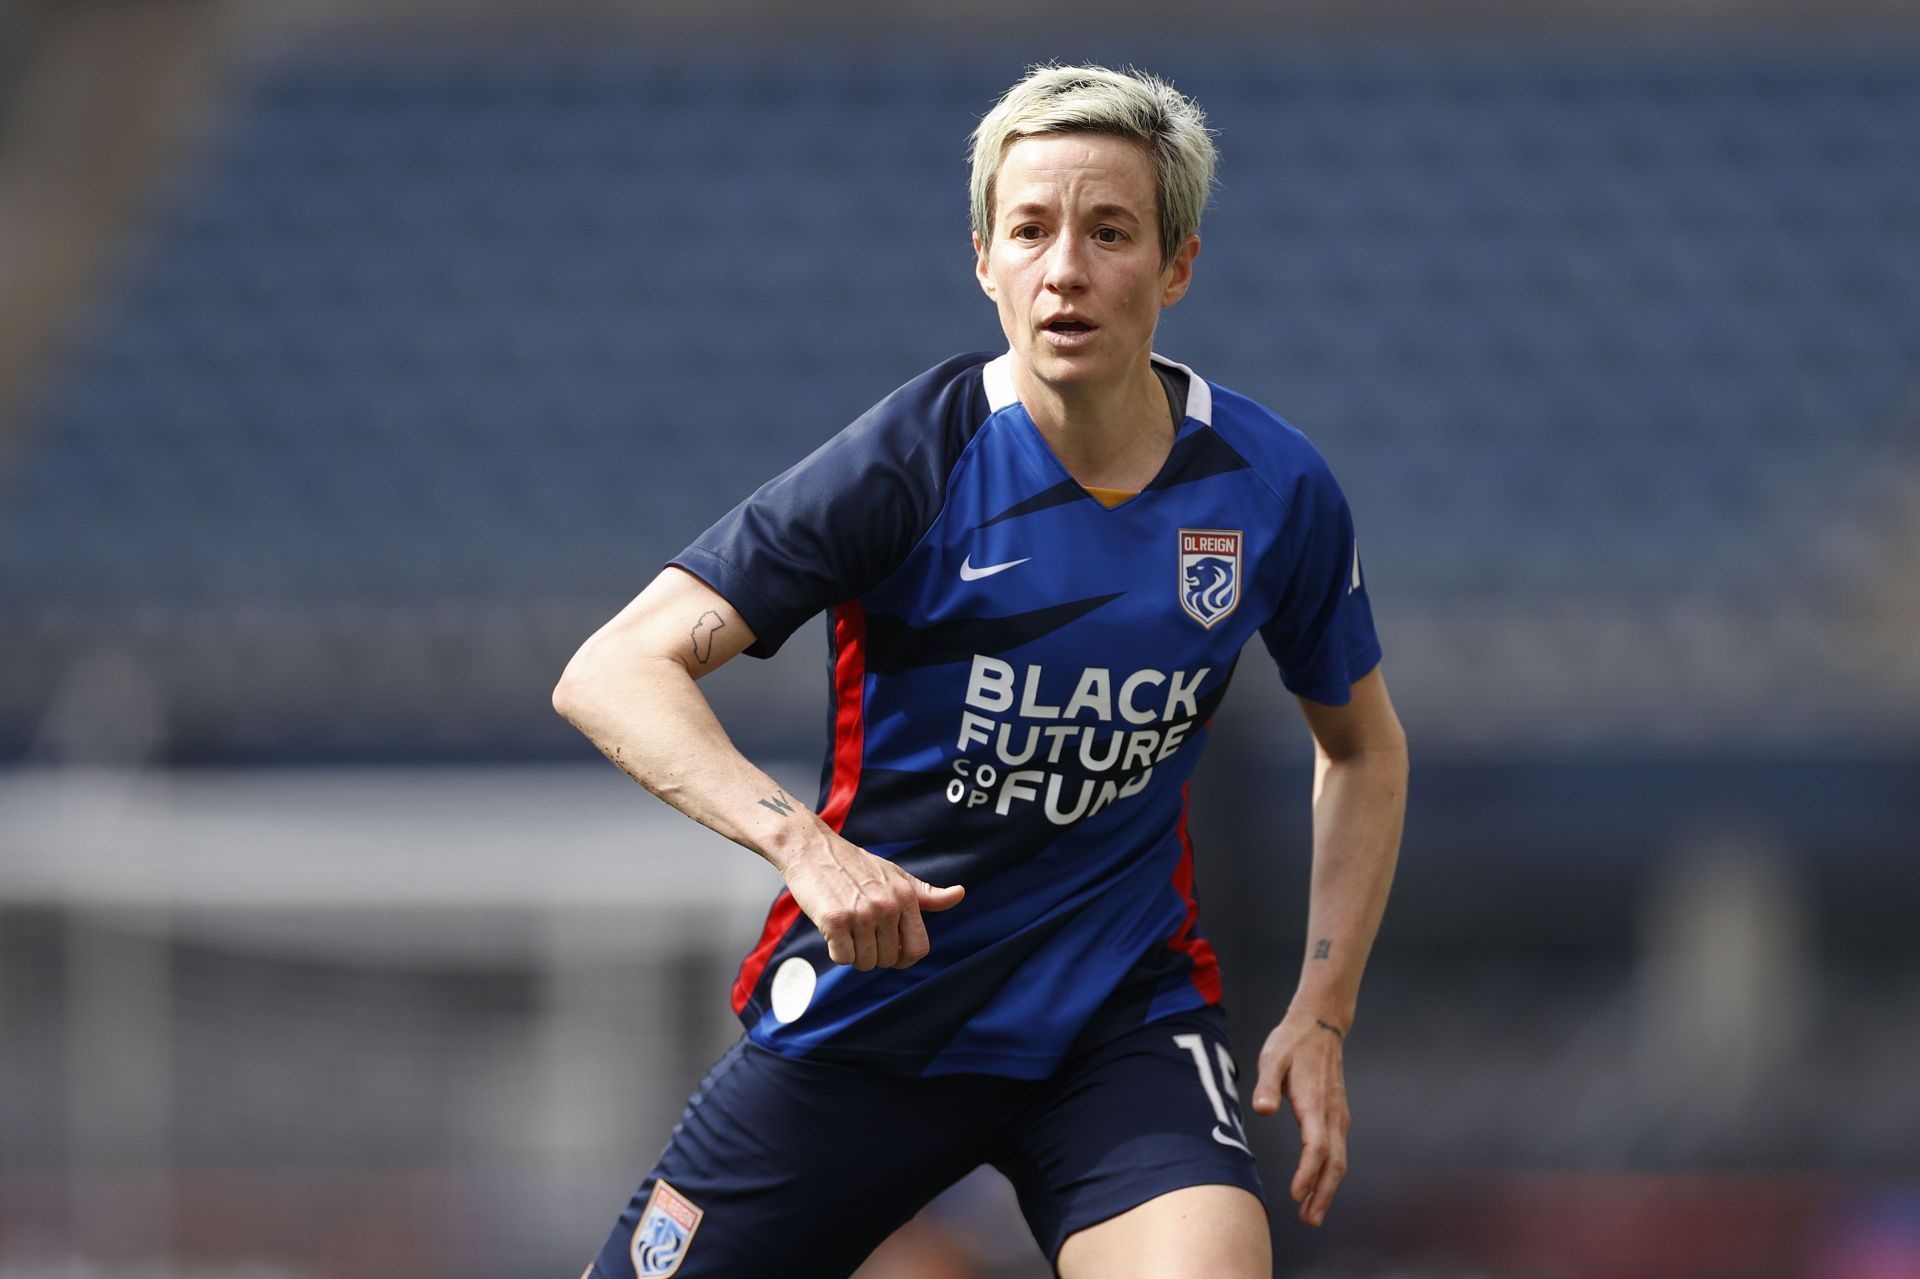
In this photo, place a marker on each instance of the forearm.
(649, 717)
(1358, 809)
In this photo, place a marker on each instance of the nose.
(1066, 265)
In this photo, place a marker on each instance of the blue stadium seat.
(435, 329)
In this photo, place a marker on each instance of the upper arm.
(832, 526)
(1321, 633)
(1364, 724)
(678, 618)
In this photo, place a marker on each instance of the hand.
(866, 907)
(1302, 1060)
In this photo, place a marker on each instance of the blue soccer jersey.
(1022, 680)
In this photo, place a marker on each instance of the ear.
(980, 266)
(1179, 272)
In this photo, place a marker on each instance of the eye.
(1028, 232)
(1110, 235)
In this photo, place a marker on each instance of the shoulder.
(935, 413)
(831, 525)
(1279, 453)
(899, 453)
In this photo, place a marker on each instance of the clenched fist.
(867, 908)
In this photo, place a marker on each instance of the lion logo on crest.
(1209, 573)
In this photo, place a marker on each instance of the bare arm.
(1359, 804)
(631, 690)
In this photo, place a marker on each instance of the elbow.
(1393, 749)
(1383, 749)
(570, 694)
(603, 679)
(1397, 767)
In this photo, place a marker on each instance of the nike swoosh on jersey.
(968, 573)
(1225, 1140)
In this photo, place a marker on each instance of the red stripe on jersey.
(779, 920)
(849, 701)
(849, 746)
(1206, 968)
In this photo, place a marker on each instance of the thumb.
(932, 898)
(1266, 1090)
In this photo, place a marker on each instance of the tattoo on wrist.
(779, 802)
(1329, 1026)
(703, 632)
(1323, 948)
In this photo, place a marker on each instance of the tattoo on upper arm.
(1323, 948)
(703, 632)
(779, 802)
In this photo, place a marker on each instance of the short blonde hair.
(1129, 104)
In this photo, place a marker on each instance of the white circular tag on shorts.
(793, 989)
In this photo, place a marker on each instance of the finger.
(1266, 1088)
(1313, 1146)
(839, 939)
(864, 947)
(932, 898)
(886, 926)
(1314, 1211)
(914, 944)
(1268, 1091)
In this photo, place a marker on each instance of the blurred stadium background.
(357, 360)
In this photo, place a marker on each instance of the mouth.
(1068, 332)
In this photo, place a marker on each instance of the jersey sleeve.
(837, 523)
(1322, 634)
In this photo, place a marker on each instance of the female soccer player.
(1039, 568)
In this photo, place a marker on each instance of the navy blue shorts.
(798, 1168)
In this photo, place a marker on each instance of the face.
(1073, 260)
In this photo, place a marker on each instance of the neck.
(1115, 435)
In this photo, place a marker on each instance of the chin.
(1068, 370)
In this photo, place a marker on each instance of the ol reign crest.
(1209, 573)
(666, 1228)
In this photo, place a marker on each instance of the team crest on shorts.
(666, 1229)
(1209, 573)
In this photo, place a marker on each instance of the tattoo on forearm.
(703, 632)
(779, 802)
(1323, 948)
(1329, 1026)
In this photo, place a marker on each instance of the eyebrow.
(1029, 208)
